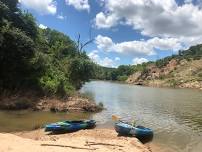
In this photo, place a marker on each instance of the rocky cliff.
(176, 73)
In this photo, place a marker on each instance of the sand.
(96, 140)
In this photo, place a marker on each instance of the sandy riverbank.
(98, 140)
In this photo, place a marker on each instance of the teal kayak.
(139, 131)
(70, 126)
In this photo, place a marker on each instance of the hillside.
(183, 70)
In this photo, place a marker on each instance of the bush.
(122, 78)
(200, 74)
(101, 105)
(173, 83)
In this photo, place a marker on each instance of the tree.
(17, 50)
(80, 70)
(11, 4)
(80, 46)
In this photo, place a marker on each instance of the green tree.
(80, 70)
(17, 50)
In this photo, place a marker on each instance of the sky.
(125, 32)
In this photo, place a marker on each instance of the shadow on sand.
(66, 132)
(144, 140)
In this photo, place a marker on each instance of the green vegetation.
(50, 63)
(193, 53)
(116, 74)
(122, 72)
(41, 60)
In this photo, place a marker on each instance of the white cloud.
(117, 59)
(162, 18)
(134, 48)
(61, 17)
(79, 4)
(138, 48)
(42, 26)
(139, 61)
(104, 21)
(106, 61)
(41, 6)
(94, 55)
(165, 43)
(103, 42)
(169, 25)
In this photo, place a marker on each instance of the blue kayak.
(70, 126)
(129, 130)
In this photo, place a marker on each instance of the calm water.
(12, 121)
(175, 115)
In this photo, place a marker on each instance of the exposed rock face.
(134, 78)
(183, 74)
(194, 84)
(73, 104)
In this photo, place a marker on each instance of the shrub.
(122, 78)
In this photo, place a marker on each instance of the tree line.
(124, 71)
(43, 60)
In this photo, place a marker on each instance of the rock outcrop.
(73, 104)
(176, 73)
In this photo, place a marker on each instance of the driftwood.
(89, 143)
(73, 147)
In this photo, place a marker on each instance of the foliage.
(40, 59)
(173, 82)
(194, 52)
(122, 78)
(17, 50)
(80, 70)
(115, 74)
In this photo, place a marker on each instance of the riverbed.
(175, 115)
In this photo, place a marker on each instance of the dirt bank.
(27, 101)
(72, 104)
(97, 140)
(178, 74)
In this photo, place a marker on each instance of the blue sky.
(125, 32)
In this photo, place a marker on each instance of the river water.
(175, 115)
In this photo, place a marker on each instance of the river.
(175, 115)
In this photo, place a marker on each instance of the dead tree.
(80, 46)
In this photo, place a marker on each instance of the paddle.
(116, 118)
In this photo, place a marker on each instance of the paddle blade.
(115, 118)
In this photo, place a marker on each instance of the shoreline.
(153, 85)
(97, 140)
(26, 101)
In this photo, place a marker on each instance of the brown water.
(175, 115)
(12, 121)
